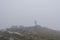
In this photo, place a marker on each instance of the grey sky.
(24, 12)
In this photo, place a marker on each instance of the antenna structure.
(35, 22)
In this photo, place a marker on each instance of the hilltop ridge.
(35, 32)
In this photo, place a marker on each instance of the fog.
(24, 12)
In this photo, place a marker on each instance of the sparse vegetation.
(31, 33)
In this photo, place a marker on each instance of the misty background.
(24, 12)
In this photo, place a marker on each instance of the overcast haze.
(24, 12)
